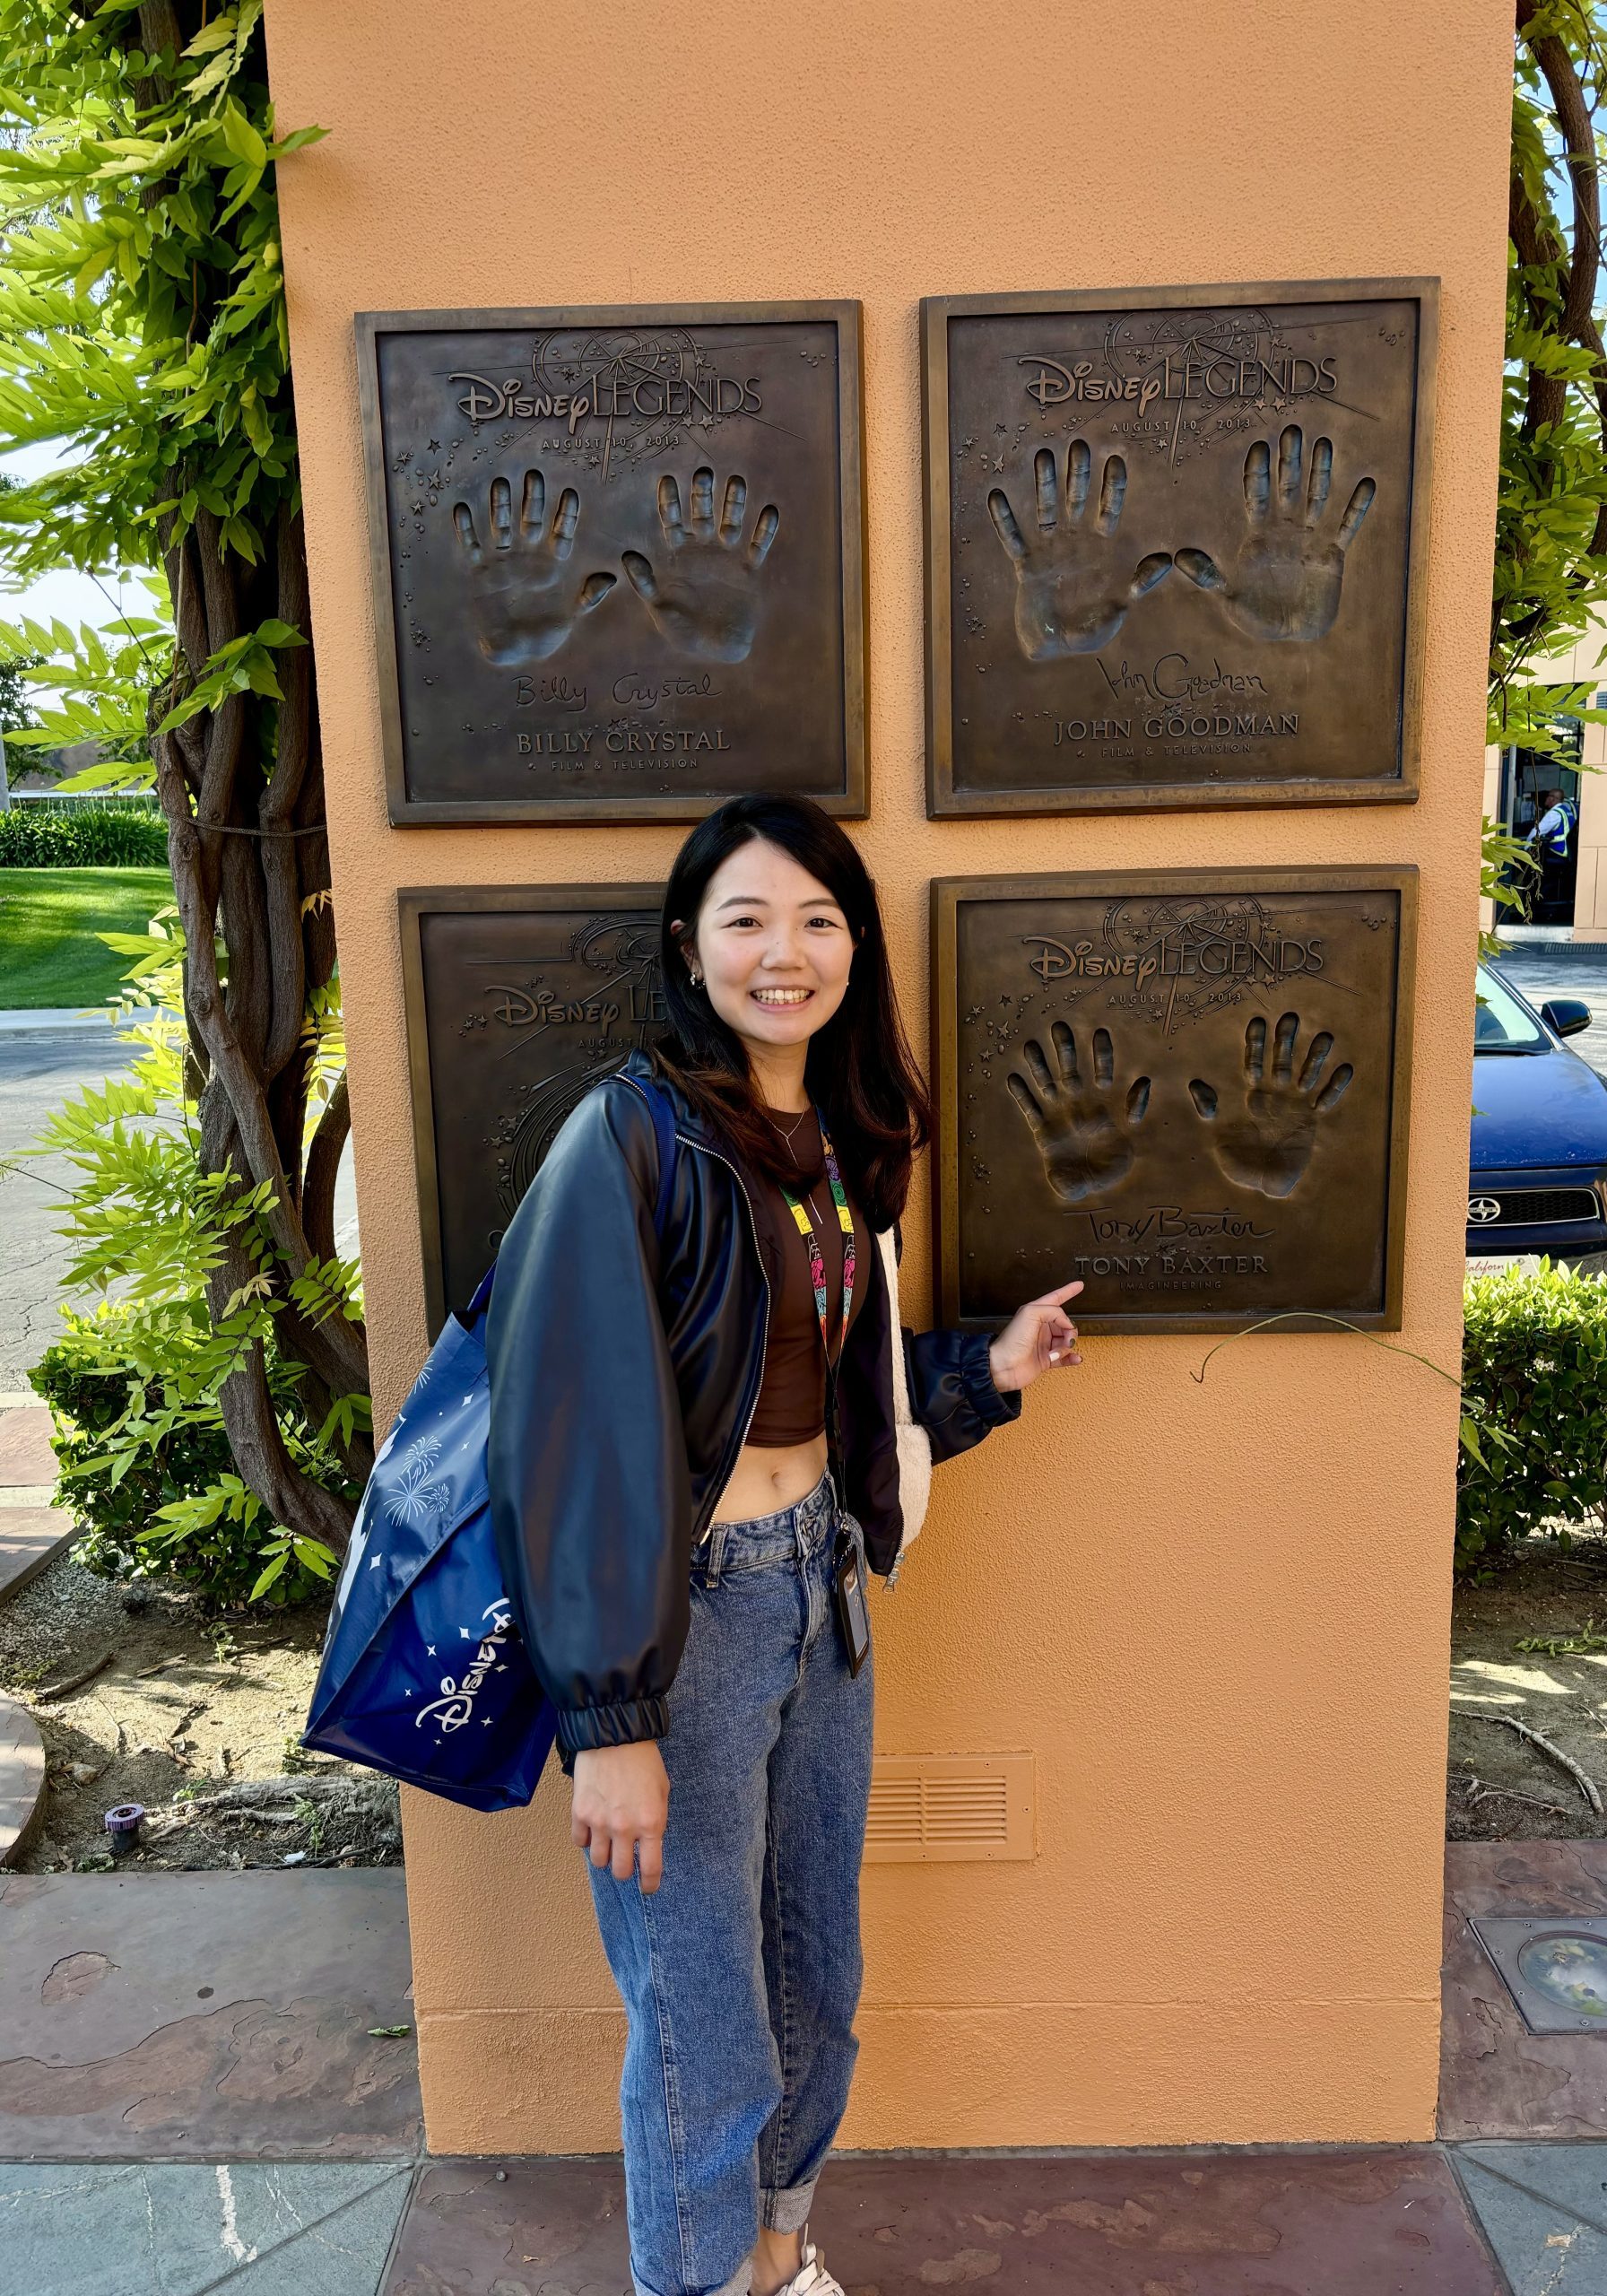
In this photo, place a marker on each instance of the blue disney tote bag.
(424, 1675)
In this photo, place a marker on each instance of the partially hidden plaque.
(1188, 1089)
(1176, 545)
(518, 1002)
(617, 558)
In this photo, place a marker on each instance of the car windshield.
(1500, 1023)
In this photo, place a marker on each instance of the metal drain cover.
(1553, 1965)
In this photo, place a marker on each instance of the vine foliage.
(143, 322)
(1551, 566)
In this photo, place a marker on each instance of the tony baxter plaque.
(617, 558)
(1188, 1088)
(517, 1002)
(1175, 542)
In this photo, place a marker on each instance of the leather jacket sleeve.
(591, 1493)
(951, 1392)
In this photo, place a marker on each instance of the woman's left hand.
(1038, 1337)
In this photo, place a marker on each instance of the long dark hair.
(860, 1070)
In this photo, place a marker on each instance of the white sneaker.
(811, 2277)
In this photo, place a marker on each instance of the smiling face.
(774, 949)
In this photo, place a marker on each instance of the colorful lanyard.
(817, 1258)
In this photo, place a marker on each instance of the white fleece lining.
(915, 1445)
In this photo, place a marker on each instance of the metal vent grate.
(927, 1807)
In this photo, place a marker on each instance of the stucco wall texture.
(1216, 1614)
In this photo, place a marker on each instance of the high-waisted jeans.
(741, 1974)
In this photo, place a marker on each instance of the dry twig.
(77, 1682)
(1588, 1785)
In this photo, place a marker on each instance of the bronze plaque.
(1175, 541)
(1188, 1088)
(617, 558)
(517, 1002)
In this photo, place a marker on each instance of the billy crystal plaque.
(617, 558)
(1175, 542)
(1186, 1088)
(518, 1002)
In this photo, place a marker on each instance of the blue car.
(1537, 1179)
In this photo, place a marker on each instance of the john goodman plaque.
(1186, 1088)
(617, 558)
(1176, 543)
(518, 1002)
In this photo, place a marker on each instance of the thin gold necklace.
(787, 1137)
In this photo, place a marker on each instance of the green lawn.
(48, 920)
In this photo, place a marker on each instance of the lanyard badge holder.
(847, 1576)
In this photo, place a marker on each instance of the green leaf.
(1469, 1436)
(241, 137)
(268, 1578)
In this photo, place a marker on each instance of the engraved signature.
(631, 689)
(1169, 1223)
(1171, 679)
(550, 693)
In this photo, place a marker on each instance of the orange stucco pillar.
(1216, 1614)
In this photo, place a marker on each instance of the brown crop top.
(792, 1399)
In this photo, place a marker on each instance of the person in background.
(1551, 842)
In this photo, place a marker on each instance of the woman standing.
(695, 1453)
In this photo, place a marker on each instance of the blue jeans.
(741, 1974)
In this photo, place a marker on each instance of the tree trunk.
(241, 788)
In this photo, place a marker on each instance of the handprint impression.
(1264, 1141)
(524, 605)
(1073, 589)
(704, 599)
(1285, 582)
(1083, 1133)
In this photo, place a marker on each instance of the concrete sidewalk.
(203, 2090)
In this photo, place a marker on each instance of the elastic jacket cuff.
(580, 1728)
(991, 1408)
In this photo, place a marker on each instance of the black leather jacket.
(622, 1380)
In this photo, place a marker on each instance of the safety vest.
(1557, 836)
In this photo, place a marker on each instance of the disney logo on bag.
(456, 1704)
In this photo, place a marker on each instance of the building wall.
(1584, 663)
(1215, 1612)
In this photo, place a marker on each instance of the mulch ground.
(1499, 1786)
(196, 1717)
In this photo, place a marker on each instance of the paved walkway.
(40, 1068)
(203, 2089)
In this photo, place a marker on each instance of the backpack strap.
(664, 1132)
(664, 1127)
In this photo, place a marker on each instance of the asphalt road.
(38, 1072)
(1536, 977)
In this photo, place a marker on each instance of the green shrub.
(131, 1443)
(88, 837)
(1534, 1386)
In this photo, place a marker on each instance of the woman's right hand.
(621, 1809)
